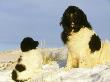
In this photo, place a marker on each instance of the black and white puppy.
(29, 62)
(85, 48)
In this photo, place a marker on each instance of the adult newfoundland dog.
(85, 48)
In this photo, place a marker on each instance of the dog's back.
(105, 52)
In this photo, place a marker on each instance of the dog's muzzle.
(72, 24)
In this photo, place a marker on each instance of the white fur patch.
(79, 54)
(33, 61)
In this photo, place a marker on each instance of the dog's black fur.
(19, 59)
(14, 77)
(20, 67)
(28, 44)
(74, 15)
(95, 43)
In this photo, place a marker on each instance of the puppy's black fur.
(73, 16)
(20, 67)
(14, 75)
(19, 59)
(28, 44)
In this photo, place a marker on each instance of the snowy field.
(54, 72)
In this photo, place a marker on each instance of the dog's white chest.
(78, 42)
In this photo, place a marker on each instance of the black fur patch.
(20, 59)
(73, 15)
(14, 75)
(20, 81)
(28, 44)
(64, 37)
(20, 67)
(95, 43)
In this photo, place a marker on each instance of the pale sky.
(40, 19)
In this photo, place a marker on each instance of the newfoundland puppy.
(29, 62)
(85, 48)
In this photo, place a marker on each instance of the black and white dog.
(85, 48)
(29, 62)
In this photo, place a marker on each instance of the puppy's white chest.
(32, 58)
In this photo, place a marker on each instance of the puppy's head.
(28, 44)
(74, 19)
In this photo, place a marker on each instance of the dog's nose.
(72, 24)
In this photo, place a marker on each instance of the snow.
(54, 72)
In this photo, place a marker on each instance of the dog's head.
(28, 44)
(74, 19)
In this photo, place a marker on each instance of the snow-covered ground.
(54, 72)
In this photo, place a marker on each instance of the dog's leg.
(72, 61)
